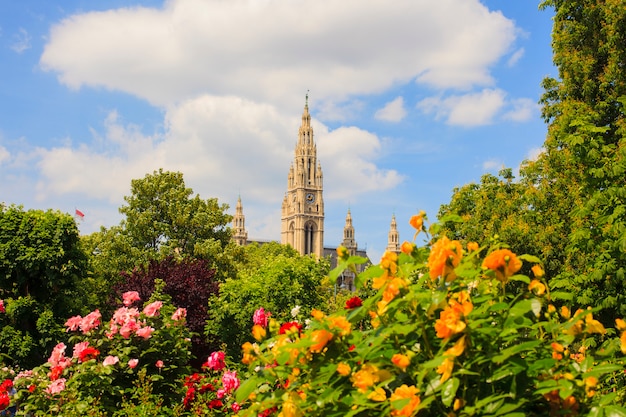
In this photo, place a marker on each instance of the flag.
(80, 214)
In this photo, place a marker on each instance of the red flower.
(216, 404)
(55, 372)
(88, 353)
(6, 385)
(4, 400)
(190, 395)
(290, 326)
(354, 302)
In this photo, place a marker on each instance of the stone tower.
(393, 242)
(348, 235)
(303, 205)
(240, 235)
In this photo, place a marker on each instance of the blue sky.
(409, 98)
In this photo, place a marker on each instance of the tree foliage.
(276, 278)
(41, 271)
(188, 282)
(569, 205)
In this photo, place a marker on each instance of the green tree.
(584, 162)
(274, 277)
(162, 218)
(41, 271)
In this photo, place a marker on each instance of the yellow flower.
(458, 348)
(342, 252)
(620, 324)
(289, 409)
(343, 369)
(444, 256)
(536, 285)
(377, 395)
(445, 369)
(622, 341)
(593, 326)
(401, 361)
(258, 332)
(503, 262)
(389, 262)
(537, 271)
(405, 392)
(374, 319)
(472, 246)
(458, 404)
(565, 313)
(248, 353)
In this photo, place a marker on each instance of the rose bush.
(98, 370)
(444, 337)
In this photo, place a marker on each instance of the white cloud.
(21, 41)
(393, 111)
(4, 155)
(265, 51)
(533, 154)
(517, 55)
(523, 110)
(225, 146)
(474, 109)
(492, 165)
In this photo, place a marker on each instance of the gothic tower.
(393, 242)
(303, 205)
(348, 236)
(240, 235)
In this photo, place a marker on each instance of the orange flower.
(593, 326)
(458, 348)
(341, 323)
(248, 350)
(405, 392)
(258, 332)
(536, 285)
(389, 262)
(622, 341)
(417, 221)
(378, 394)
(565, 313)
(503, 262)
(445, 255)
(537, 271)
(317, 314)
(343, 369)
(472, 246)
(342, 252)
(401, 361)
(320, 339)
(365, 377)
(449, 322)
(445, 369)
(620, 324)
(407, 247)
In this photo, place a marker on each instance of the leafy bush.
(445, 338)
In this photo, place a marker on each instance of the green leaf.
(514, 350)
(561, 295)
(448, 391)
(530, 258)
(246, 388)
(615, 411)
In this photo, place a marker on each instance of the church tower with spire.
(393, 241)
(240, 235)
(303, 205)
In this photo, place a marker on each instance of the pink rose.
(152, 309)
(216, 361)
(128, 328)
(159, 364)
(79, 348)
(230, 381)
(2, 309)
(179, 314)
(235, 407)
(144, 332)
(58, 354)
(56, 386)
(110, 360)
(260, 317)
(130, 297)
(73, 323)
(90, 321)
(132, 363)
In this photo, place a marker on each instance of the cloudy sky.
(409, 99)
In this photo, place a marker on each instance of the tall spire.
(393, 243)
(348, 235)
(240, 235)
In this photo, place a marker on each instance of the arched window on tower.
(309, 238)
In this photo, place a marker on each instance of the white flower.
(295, 311)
